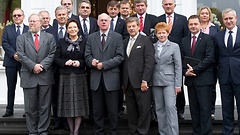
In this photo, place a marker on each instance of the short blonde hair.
(209, 11)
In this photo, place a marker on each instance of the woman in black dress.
(73, 96)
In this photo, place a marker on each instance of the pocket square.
(138, 47)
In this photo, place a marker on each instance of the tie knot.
(112, 19)
(169, 16)
(61, 28)
(84, 19)
(141, 17)
(132, 39)
(18, 26)
(103, 35)
(230, 32)
(193, 36)
(36, 35)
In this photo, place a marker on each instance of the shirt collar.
(135, 37)
(172, 15)
(106, 33)
(144, 15)
(64, 27)
(21, 25)
(115, 18)
(196, 35)
(81, 19)
(234, 30)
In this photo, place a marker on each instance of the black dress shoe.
(24, 115)
(7, 114)
(56, 127)
(180, 116)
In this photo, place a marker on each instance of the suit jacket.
(9, 44)
(29, 57)
(111, 57)
(228, 63)
(149, 23)
(54, 31)
(62, 55)
(93, 26)
(139, 64)
(55, 23)
(121, 28)
(214, 29)
(179, 28)
(168, 67)
(204, 51)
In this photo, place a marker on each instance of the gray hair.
(227, 10)
(61, 8)
(39, 16)
(174, 1)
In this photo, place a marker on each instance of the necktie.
(111, 24)
(170, 23)
(85, 31)
(36, 42)
(193, 44)
(141, 23)
(103, 40)
(130, 46)
(60, 34)
(18, 30)
(230, 42)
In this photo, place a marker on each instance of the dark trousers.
(37, 102)
(180, 102)
(230, 91)
(11, 74)
(138, 110)
(200, 99)
(102, 98)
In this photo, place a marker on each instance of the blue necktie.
(111, 24)
(18, 30)
(60, 34)
(230, 42)
(85, 31)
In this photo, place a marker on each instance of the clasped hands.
(74, 63)
(190, 71)
(38, 68)
(97, 64)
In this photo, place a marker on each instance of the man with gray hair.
(228, 52)
(45, 19)
(36, 53)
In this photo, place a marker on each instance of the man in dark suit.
(36, 53)
(90, 26)
(147, 21)
(125, 9)
(11, 64)
(178, 30)
(104, 54)
(198, 64)
(228, 62)
(137, 72)
(58, 31)
(69, 5)
(117, 24)
(45, 20)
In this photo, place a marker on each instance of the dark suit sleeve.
(59, 60)
(185, 27)
(88, 53)
(149, 60)
(209, 57)
(8, 48)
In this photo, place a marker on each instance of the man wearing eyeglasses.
(69, 5)
(36, 51)
(11, 64)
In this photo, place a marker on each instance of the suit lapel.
(30, 40)
(175, 21)
(109, 38)
(165, 48)
(13, 29)
(136, 43)
(41, 41)
(98, 40)
(199, 39)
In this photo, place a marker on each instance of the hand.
(38, 68)
(76, 63)
(144, 86)
(99, 66)
(15, 56)
(69, 63)
(95, 62)
(190, 71)
(178, 90)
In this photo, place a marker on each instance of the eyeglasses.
(17, 15)
(65, 4)
(83, 7)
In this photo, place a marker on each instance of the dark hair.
(72, 20)
(85, 1)
(113, 3)
(132, 19)
(194, 17)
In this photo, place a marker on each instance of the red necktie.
(141, 23)
(36, 42)
(193, 44)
